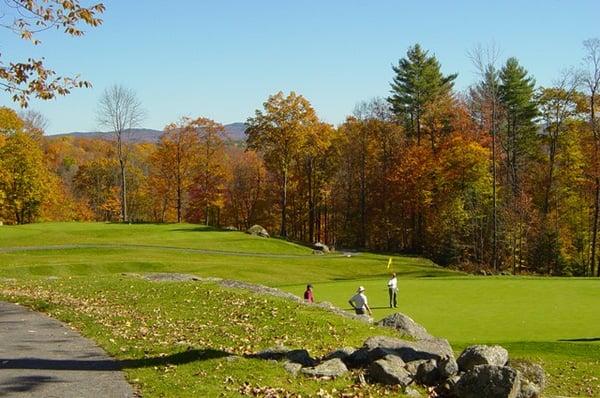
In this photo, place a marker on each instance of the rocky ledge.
(427, 361)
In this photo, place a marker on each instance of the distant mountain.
(235, 131)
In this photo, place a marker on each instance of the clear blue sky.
(222, 59)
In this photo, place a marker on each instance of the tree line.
(504, 176)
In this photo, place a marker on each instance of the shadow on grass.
(584, 339)
(179, 358)
(200, 229)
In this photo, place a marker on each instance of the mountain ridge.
(235, 131)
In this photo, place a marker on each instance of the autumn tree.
(279, 132)
(484, 98)
(24, 177)
(27, 19)
(591, 80)
(120, 110)
(175, 161)
(557, 105)
(246, 189)
(313, 162)
(206, 190)
(96, 182)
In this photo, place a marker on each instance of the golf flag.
(389, 263)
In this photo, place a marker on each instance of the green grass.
(551, 320)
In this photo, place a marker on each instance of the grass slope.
(552, 320)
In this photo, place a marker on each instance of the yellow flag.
(389, 263)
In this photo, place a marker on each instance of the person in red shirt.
(308, 294)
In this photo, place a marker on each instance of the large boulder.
(533, 378)
(429, 372)
(330, 368)
(405, 325)
(322, 247)
(482, 355)
(488, 381)
(389, 370)
(438, 349)
(257, 230)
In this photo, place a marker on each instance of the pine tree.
(417, 83)
(517, 91)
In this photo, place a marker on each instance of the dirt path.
(41, 357)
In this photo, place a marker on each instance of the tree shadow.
(201, 229)
(22, 384)
(111, 364)
(584, 339)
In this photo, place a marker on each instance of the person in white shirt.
(393, 290)
(359, 302)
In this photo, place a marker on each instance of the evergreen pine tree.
(418, 82)
(517, 95)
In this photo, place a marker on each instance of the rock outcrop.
(488, 381)
(482, 355)
(257, 230)
(405, 325)
(481, 371)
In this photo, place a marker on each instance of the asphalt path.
(42, 357)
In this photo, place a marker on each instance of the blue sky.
(222, 59)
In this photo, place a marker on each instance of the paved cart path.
(41, 357)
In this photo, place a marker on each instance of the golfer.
(393, 290)
(359, 302)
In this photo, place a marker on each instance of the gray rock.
(340, 353)
(321, 247)
(405, 325)
(482, 355)
(447, 367)
(428, 373)
(488, 381)
(408, 351)
(170, 277)
(445, 388)
(413, 366)
(390, 371)
(292, 367)
(533, 378)
(257, 230)
(330, 368)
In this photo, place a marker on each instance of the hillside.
(83, 273)
(235, 131)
